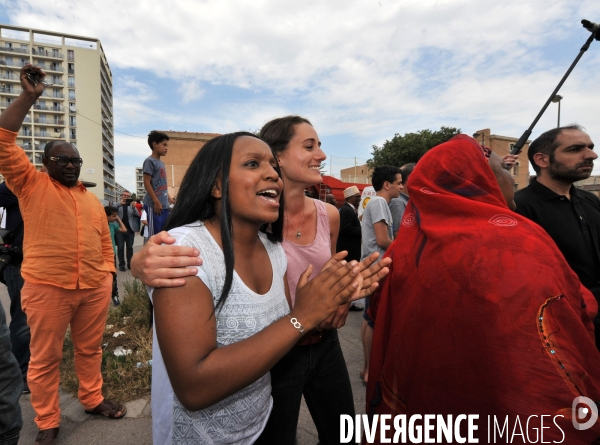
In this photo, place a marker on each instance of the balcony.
(46, 67)
(59, 122)
(108, 168)
(56, 81)
(106, 110)
(73, 135)
(71, 71)
(59, 96)
(108, 158)
(50, 54)
(108, 147)
(48, 108)
(27, 120)
(5, 49)
(26, 133)
(107, 100)
(109, 180)
(10, 90)
(10, 76)
(49, 134)
(17, 63)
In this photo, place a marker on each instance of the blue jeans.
(319, 373)
(156, 222)
(19, 331)
(11, 387)
(124, 239)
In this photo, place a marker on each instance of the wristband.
(296, 324)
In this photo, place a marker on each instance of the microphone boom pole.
(595, 34)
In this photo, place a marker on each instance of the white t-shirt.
(144, 218)
(241, 417)
(377, 210)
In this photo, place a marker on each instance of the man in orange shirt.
(67, 266)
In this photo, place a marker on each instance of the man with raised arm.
(67, 265)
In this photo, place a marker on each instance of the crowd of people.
(477, 299)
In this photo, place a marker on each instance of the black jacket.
(350, 236)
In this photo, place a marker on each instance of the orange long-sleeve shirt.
(66, 235)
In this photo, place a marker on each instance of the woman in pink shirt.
(315, 367)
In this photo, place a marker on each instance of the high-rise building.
(140, 190)
(77, 107)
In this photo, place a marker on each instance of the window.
(72, 81)
(72, 121)
(56, 93)
(71, 67)
(7, 45)
(71, 94)
(72, 107)
(55, 53)
(9, 60)
(70, 54)
(56, 106)
(25, 47)
(73, 133)
(42, 118)
(516, 169)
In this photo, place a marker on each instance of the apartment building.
(502, 145)
(119, 190)
(77, 107)
(140, 190)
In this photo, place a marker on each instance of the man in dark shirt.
(130, 217)
(571, 216)
(19, 331)
(350, 235)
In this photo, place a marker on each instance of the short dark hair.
(406, 170)
(51, 144)
(546, 143)
(382, 174)
(110, 210)
(278, 133)
(156, 136)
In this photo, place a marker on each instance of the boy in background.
(157, 199)
(114, 224)
(144, 226)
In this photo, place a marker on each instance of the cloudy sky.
(360, 70)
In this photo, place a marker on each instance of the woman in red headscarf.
(480, 313)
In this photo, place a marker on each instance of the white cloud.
(362, 67)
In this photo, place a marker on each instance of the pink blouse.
(316, 253)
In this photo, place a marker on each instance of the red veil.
(480, 313)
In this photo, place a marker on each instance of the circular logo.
(409, 220)
(366, 201)
(503, 221)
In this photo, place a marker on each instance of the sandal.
(109, 410)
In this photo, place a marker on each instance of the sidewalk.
(78, 428)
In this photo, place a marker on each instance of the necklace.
(298, 233)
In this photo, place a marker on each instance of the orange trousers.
(50, 310)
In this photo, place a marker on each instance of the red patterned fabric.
(480, 313)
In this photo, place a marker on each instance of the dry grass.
(123, 380)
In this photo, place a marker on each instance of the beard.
(560, 172)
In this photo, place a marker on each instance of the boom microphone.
(590, 26)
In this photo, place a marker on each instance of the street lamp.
(556, 99)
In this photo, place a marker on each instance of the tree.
(133, 196)
(410, 147)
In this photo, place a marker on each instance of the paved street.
(78, 428)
